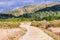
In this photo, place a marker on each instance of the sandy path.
(26, 32)
(11, 34)
(33, 33)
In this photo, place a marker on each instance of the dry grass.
(55, 23)
(35, 23)
(55, 37)
(12, 30)
(9, 25)
(43, 24)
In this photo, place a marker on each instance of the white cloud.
(6, 3)
(2, 3)
(13, 2)
(27, 1)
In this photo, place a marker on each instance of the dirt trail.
(33, 33)
(26, 32)
(11, 34)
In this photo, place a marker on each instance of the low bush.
(35, 23)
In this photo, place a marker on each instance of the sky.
(13, 4)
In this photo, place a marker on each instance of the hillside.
(30, 9)
(35, 12)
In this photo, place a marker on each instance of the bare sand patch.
(11, 34)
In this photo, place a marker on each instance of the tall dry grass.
(9, 25)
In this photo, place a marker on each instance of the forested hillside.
(48, 13)
(34, 12)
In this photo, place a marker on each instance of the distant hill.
(35, 12)
(31, 9)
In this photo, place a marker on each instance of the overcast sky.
(18, 3)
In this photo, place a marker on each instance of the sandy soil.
(11, 34)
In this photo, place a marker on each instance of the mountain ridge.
(30, 9)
